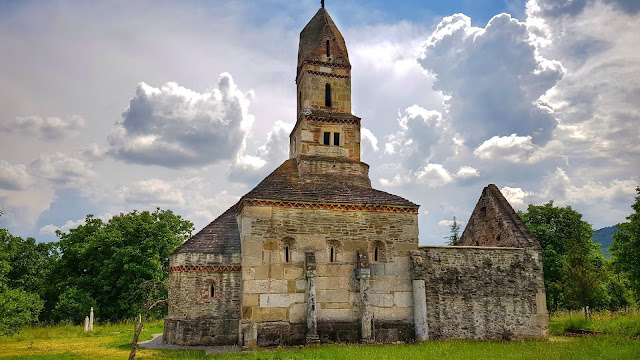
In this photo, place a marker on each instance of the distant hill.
(604, 238)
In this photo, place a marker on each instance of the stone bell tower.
(325, 126)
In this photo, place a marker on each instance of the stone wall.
(307, 139)
(312, 80)
(275, 291)
(195, 317)
(482, 293)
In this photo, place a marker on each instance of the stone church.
(315, 254)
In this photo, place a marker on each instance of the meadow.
(619, 338)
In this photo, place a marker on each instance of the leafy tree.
(18, 309)
(571, 261)
(454, 228)
(112, 261)
(626, 247)
(73, 305)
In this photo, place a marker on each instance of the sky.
(107, 107)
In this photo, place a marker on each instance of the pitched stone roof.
(221, 236)
(312, 36)
(286, 184)
(495, 223)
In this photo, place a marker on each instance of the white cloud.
(177, 127)
(14, 176)
(369, 142)
(448, 223)
(47, 128)
(62, 169)
(515, 196)
(467, 172)
(433, 175)
(51, 229)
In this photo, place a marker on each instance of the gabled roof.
(495, 223)
(312, 36)
(222, 236)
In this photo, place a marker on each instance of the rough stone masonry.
(314, 254)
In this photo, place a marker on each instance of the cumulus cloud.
(517, 149)
(177, 127)
(493, 78)
(62, 169)
(51, 229)
(433, 175)
(448, 223)
(515, 196)
(251, 168)
(14, 176)
(368, 141)
(467, 172)
(46, 128)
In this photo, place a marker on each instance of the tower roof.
(313, 36)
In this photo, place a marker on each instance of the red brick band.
(412, 210)
(331, 120)
(322, 63)
(207, 268)
(320, 73)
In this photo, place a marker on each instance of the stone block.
(265, 287)
(298, 313)
(332, 295)
(336, 270)
(280, 300)
(395, 313)
(390, 269)
(337, 305)
(292, 272)
(380, 300)
(301, 285)
(273, 314)
(377, 269)
(249, 261)
(257, 212)
(336, 315)
(332, 283)
(251, 300)
(403, 298)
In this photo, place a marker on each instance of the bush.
(18, 309)
(73, 305)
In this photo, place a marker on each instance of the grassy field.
(110, 341)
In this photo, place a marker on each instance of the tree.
(571, 261)
(111, 261)
(454, 228)
(626, 247)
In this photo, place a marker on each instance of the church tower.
(325, 127)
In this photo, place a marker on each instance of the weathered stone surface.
(482, 293)
(280, 300)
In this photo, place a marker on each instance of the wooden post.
(137, 329)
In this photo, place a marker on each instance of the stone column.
(312, 318)
(363, 272)
(91, 320)
(420, 311)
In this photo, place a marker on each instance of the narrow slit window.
(336, 139)
(327, 138)
(327, 95)
(286, 254)
(328, 53)
(332, 254)
(375, 254)
(300, 100)
(212, 291)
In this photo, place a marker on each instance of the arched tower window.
(327, 95)
(332, 254)
(287, 255)
(212, 291)
(328, 53)
(376, 253)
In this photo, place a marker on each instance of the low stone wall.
(482, 293)
(201, 331)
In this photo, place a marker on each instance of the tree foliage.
(454, 228)
(110, 262)
(571, 261)
(626, 247)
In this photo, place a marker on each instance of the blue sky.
(541, 101)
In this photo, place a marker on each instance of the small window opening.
(212, 291)
(375, 254)
(336, 139)
(328, 53)
(300, 100)
(327, 138)
(332, 254)
(327, 95)
(286, 254)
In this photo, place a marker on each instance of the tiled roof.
(286, 184)
(313, 34)
(221, 236)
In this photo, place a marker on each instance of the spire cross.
(322, 3)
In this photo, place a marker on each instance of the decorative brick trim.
(320, 73)
(332, 120)
(322, 63)
(348, 207)
(206, 268)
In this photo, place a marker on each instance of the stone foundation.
(204, 331)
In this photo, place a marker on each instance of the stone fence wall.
(481, 292)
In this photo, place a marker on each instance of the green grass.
(112, 341)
